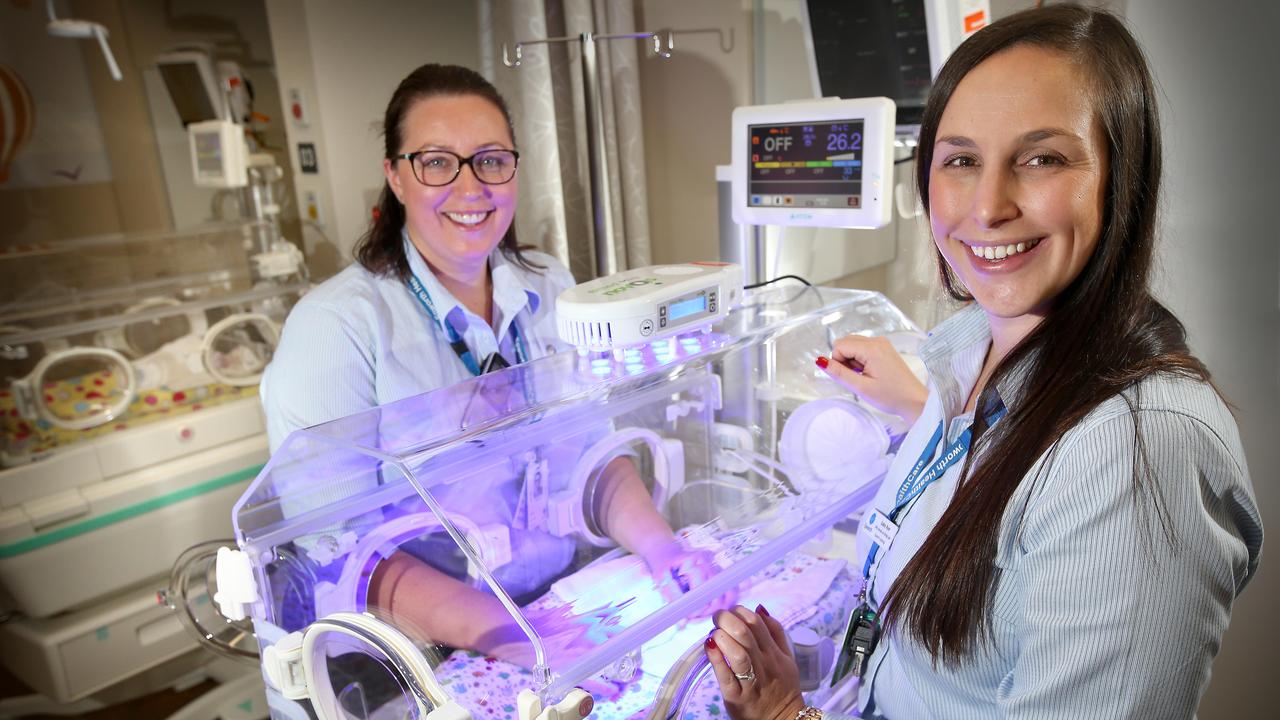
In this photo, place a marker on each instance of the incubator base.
(78, 654)
(85, 523)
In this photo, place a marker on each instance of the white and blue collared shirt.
(1096, 613)
(360, 340)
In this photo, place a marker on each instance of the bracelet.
(809, 712)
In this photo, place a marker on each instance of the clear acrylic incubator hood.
(374, 549)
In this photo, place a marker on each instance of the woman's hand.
(872, 368)
(753, 664)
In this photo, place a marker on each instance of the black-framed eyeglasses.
(434, 168)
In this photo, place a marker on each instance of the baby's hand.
(677, 571)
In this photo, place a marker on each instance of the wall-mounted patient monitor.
(192, 83)
(824, 163)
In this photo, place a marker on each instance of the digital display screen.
(684, 308)
(208, 153)
(870, 48)
(187, 89)
(811, 165)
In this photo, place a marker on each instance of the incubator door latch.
(283, 665)
(577, 704)
(237, 590)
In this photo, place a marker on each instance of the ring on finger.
(748, 676)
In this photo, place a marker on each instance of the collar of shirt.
(954, 354)
(511, 294)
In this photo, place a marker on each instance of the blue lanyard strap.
(455, 341)
(924, 473)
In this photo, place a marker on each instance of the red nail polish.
(822, 362)
(711, 643)
(761, 611)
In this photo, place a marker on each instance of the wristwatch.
(809, 713)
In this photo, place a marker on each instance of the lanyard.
(455, 341)
(923, 474)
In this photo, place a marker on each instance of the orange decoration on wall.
(17, 118)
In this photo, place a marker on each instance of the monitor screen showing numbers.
(822, 163)
(811, 165)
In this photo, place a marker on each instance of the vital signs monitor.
(823, 163)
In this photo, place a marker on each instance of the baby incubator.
(754, 458)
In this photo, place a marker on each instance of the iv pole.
(597, 154)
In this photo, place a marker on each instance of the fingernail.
(822, 362)
(711, 643)
(761, 611)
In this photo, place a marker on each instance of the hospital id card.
(877, 526)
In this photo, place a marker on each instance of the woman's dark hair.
(1103, 334)
(381, 249)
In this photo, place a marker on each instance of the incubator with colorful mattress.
(370, 546)
(104, 334)
(129, 367)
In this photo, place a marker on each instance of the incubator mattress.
(27, 439)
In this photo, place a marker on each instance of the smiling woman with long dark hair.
(1069, 519)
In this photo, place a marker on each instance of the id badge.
(877, 526)
(859, 642)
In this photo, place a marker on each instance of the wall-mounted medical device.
(219, 154)
(212, 100)
(892, 48)
(821, 163)
(203, 89)
(647, 304)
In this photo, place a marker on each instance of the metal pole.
(597, 162)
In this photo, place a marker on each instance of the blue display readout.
(685, 308)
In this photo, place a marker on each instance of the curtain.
(546, 98)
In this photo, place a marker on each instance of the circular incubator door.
(237, 348)
(77, 388)
(193, 585)
(353, 666)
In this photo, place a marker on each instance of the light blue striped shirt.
(1095, 615)
(360, 340)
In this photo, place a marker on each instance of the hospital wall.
(110, 156)
(1220, 269)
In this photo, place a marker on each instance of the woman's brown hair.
(381, 249)
(1103, 335)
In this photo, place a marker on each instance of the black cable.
(780, 277)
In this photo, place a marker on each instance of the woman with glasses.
(440, 289)
(441, 292)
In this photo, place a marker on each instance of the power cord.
(777, 279)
